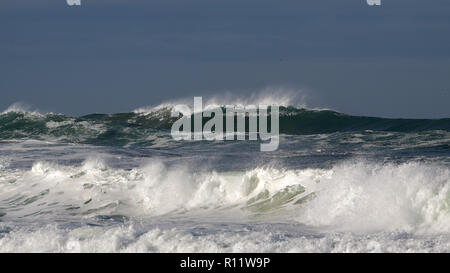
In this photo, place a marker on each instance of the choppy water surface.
(104, 183)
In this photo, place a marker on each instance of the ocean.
(120, 183)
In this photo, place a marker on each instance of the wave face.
(140, 128)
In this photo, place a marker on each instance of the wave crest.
(281, 96)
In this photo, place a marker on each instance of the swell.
(125, 128)
(303, 121)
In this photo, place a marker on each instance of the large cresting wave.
(141, 127)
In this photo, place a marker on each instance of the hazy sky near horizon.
(119, 55)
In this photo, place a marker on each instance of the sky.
(110, 56)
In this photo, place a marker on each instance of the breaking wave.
(141, 127)
(351, 196)
(120, 183)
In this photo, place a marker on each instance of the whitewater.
(120, 183)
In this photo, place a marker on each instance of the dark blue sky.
(118, 55)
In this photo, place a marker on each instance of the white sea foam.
(353, 196)
(270, 238)
(411, 197)
(4, 162)
(57, 124)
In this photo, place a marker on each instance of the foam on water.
(411, 197)
(352, 196)
(120, 183)
(131, 238)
